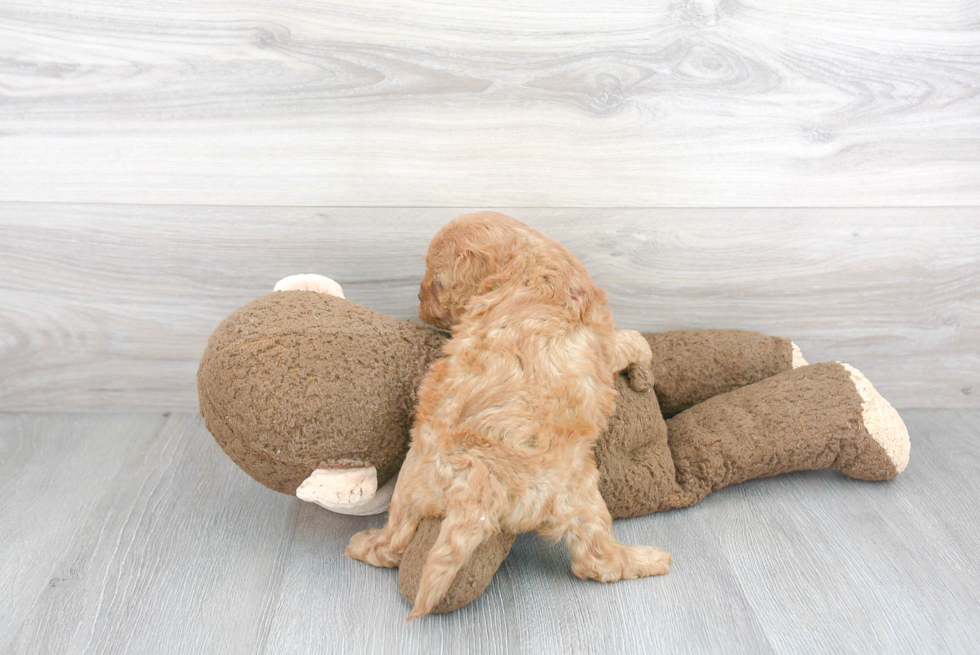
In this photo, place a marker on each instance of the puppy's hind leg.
(633, 353)
(386, 546)
(596, 554)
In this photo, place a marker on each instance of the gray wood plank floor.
(134, 533)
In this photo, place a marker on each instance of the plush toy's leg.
(691, 366)
(596, 554)
(821, 416)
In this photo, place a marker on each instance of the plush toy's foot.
(309, 282)
(887, 453)
(469, 582)
(797, 356)
(818, 416)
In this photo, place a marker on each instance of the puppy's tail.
(475, 503)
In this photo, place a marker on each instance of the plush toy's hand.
(309, 282)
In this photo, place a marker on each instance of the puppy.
(507, 420)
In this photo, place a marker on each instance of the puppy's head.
(463, 260)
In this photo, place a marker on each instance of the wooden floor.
(135, 533)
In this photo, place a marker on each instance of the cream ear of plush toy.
(315, 400)
(309, 282)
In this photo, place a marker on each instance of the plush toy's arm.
(690, 366)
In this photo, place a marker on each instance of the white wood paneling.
(669, 103)
(109, 307)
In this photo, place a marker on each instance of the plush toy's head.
(314, 395)
(297, 382)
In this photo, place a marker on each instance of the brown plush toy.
(313, 395)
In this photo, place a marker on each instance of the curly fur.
(506, 422)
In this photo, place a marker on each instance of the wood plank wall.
(810, 170)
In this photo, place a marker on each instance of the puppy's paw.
(620, 562)
(372, 547)
(641, 377)
(644, 561)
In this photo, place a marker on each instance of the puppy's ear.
(471, 267)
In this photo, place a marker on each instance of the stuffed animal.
(312, 394)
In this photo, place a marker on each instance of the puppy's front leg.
(633, 352)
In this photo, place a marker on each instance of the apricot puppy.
(506, 422)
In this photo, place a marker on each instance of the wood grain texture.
(109, 307)
(533, 605)
(180, 555)
(157, 543)
(412, 103)
(54, 472)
